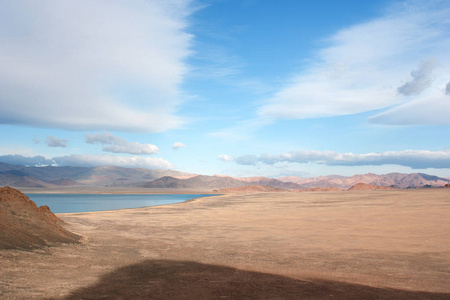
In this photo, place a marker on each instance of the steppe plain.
(391, 244)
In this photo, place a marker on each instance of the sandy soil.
(330, 245)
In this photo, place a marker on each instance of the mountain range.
(19, 176)
(50, 176)
(398, 180)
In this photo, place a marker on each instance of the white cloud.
(86, 160)
(116, 144)
(89, 65)
(52, 141)
(364, 67)
(225, 157)
(416, 159)
(178, 145)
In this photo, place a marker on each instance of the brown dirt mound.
(368, 187)
(249, 189)
(25, 226)
(49, 216)
(446, 185)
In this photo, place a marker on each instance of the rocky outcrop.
(250, 189)
(18, 176)
(25, 226)
(414, 180)
(320, 189)
(200, 181)
(368, 187)
(47, 214)
(269, 182)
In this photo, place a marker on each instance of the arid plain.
(391, 244)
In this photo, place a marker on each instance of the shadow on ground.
(165, 279)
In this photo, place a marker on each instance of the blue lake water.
(71, 203)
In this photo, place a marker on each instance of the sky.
(240, 88)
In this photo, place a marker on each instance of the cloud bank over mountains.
(415, 159)
(104, 65)
(369, 67)
(87, 160)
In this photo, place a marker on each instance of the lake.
(71, 203)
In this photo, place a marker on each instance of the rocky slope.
(50, 176)
(320, 189)
(200, 181)
(392, 179)
(269, 182)
(25, 226)
(250, 189)
(368, 187)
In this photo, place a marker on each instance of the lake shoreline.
(80, 203)
(113, 190)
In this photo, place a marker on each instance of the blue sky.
(242, 88)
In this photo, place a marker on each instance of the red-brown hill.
(25, 226)
(250, 189)
(414, 180)
(320, 189)
(368, 187)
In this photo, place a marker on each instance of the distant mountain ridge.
(368, 187)
(199, 181)
(53, 177)
(250, 189)
(400, 180)
(264, 181)
(50, 177)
